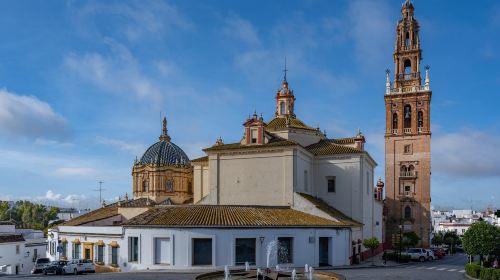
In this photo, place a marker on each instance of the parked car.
(418, 254)
(56, 267)
(40, 263)
(430, 255)
(439, 252)
(78, 266)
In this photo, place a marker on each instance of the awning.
(100, 243)
(64, 240)
(76, 241)
(114, 244)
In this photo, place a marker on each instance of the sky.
(83, 85)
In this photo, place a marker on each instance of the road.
(450, 267)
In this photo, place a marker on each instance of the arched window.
(407, 116)
(394, 122)
(282, 108)
(169, 186)
(407, 68)
(407, 39)
(145, 186)
(407, 212)
(404, 168)
(420, 119)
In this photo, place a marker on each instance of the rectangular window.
(64, 249)
(331, 184)
(367, 183)
(306, 181)
(114, 255)
(133, 249)
(285, 250)
(202, 251)
(100, 254)
(77, 251)
(407, 149)
(253, 134)
(245, 251)
(18, 248)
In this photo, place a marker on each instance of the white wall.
(270, 181)
(223, 245)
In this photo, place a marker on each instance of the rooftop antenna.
(100, 189)
(285, 70)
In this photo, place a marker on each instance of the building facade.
(408, 135)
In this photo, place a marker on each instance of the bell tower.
(408, 135)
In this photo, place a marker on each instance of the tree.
(410, 239)
(451, 239)
(481, 239)
(4, 210)
(372, 244)
(437, 239)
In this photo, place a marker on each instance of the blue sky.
(83, 84)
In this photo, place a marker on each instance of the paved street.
(451, 267)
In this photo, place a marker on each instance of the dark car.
(439, 252)
(56, 267)
(40, 263)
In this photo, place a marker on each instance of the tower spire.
(164, 135)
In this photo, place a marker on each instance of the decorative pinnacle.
(387, 71)
(164, 135)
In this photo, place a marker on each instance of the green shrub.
(489, 274)
(473, 270)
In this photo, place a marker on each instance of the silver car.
(78, 266)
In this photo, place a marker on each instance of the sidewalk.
(373, 262)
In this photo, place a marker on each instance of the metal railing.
(408, 76)
(395, 131)
(407, 130)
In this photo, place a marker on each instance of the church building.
(283, 184)
(408, 135)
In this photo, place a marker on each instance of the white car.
(419, 254)
(78, 266)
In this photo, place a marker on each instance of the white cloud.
(27, 116)
(132, 148)
(133, 19)
(240, 28)
(52, 197)
(74, 171)
(466, 153)
(369, 23)
(119, 72)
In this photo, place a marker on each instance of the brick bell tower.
(408, 135)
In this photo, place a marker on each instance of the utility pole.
(100, 189)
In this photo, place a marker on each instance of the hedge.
(489, 274)
(475, 270)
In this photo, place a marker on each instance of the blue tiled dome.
(165, 153)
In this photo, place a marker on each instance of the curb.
(364, 267)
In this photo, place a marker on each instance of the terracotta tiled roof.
(139, 202)
(329, 147)
(343, 141)
(275, 142)
(10, 237)
(98, 214)
(325, 207)
(280, 123)
(229, 216)
(200, 159)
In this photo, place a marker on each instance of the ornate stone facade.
(408, 136)
(164, 173)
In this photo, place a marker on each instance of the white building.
(284, 183)
(459, 221)
(19, 248)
